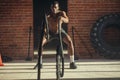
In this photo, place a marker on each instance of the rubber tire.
(96, 36)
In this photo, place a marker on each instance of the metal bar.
(28, 56)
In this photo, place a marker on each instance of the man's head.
(55, 7)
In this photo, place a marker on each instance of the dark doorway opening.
(38, 7)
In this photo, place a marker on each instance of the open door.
(38, 6)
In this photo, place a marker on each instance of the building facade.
(16, 21)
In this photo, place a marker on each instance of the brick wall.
(16, 18)
(83, 14)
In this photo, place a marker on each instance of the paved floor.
(88, 69)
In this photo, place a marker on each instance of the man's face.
(55, 8)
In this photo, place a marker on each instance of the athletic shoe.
(73, 65)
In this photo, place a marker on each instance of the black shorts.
(55, 36)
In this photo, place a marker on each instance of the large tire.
(108, 50)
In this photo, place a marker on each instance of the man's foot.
(73, 65)
(41, 66)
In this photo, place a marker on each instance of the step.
(49, 54)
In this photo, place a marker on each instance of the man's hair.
(54, 3)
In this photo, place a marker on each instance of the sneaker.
(73, 65)
(41, 66)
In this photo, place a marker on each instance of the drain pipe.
(28, 56)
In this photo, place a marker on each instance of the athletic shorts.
(55, 36)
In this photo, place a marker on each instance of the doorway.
(38, 6)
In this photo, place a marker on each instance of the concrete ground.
(88, 69)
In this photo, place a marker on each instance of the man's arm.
(64, 17)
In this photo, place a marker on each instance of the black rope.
(45, 23)
(40, 47)
(60, 37)
(47, 28)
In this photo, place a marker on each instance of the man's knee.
(69, 42)
(44, 41)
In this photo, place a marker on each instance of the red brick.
(16, 16)
(83, 14)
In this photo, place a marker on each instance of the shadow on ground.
(76, 79)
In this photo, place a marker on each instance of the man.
(54, 18)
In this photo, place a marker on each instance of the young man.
(54, 18)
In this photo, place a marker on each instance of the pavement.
(88, 69)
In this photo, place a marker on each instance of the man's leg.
(69, 43)
(43, 43)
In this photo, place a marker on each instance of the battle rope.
(60, 37)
